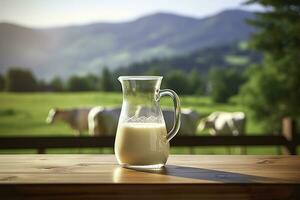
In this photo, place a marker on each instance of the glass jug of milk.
(142, 140)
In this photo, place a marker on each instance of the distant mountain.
(223, 56)
(80, 49)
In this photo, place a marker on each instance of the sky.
(50, 13)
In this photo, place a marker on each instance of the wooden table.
(184, 177)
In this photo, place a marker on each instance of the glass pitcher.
(142, 140)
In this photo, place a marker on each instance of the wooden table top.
(188, 171)
(179, 169)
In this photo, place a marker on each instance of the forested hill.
(65, 51)
(225, 56)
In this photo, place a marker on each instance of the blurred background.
(225, 56)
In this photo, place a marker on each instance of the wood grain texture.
(184, 177)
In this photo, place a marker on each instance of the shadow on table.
(209, 175)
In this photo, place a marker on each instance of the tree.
(153, 72)
(178, 81)
(93, 82)
(20, 80)
(2, 82)
(107, 81)
(57, 84)
(77, 83)
(273, 87)
(43, 86)
(197, 84)
(224, 84)
(259, 94)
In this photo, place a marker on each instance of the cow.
(77, 118)
(103, 121)
(225, 123)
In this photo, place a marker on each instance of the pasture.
(24, 114)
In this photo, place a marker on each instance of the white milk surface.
(142, 144)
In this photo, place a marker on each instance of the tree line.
(221, 84)
(23, 80)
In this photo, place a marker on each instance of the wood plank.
(184, 177)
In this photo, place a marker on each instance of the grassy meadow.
(24, 114)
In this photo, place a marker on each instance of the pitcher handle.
(177, 112)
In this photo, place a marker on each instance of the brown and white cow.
(77, 118)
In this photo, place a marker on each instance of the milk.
(141, 144)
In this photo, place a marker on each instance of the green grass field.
(24, 114)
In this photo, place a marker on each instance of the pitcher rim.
(121, 78)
